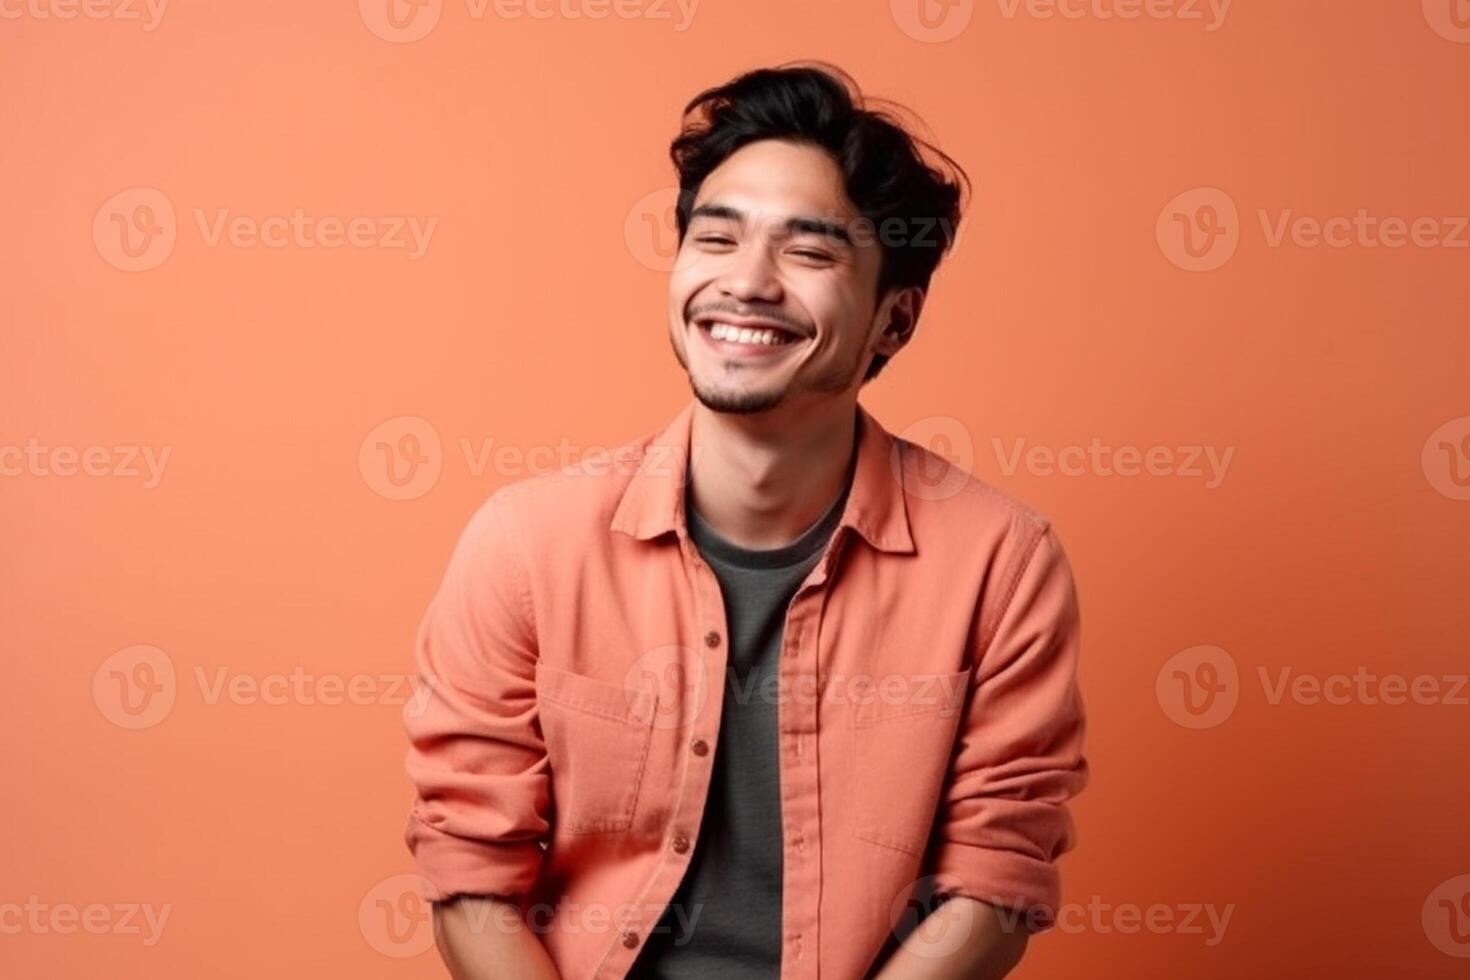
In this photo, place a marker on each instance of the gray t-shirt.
(728, 925)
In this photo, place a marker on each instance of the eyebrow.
(795, 224)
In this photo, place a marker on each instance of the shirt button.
(699, 746)
(712, 639)
(630, 939)
(681, 844)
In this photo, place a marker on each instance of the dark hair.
(885, 174)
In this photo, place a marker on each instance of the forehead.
(776, 178)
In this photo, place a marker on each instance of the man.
(770, 689)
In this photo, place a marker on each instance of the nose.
(751, 275)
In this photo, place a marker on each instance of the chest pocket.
(902, 749)
(597, 736)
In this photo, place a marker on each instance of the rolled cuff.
(1027, 889)
(453, 865)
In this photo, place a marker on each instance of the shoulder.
(948, 503)
(1002, 546)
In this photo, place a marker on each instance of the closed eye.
(805, 253)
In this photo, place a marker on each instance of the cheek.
(686, 283)
(841, 320)
(680, 294)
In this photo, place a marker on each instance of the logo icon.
(651, 231)
(135, 687)
(932, 21)
(400, 21)
(401, 459)
(945, 469)
(1446, 458)
(1446, 917)
(135, 229)
(1450, 19)
(928, 898)
(1199, 230)
(676, 682)
(395, 918)
(1198, 687)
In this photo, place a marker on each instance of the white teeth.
(745, 335)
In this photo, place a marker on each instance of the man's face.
(774, 244)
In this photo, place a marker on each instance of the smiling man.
(778, 695)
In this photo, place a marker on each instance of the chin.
(738, 402)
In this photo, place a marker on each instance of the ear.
(902, 316)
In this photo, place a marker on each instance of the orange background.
(1335, 541)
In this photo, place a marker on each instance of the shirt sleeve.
(1019, 755)
(476, 758)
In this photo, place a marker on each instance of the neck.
(760, 480)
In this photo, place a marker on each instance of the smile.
(746, 341)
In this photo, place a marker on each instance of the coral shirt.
(930, 720)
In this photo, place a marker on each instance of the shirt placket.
(801, 886)
(711, 648)
(797, 746)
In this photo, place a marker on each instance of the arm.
(1018, 760)
(477, 760)
(989, 951)
(484, 938)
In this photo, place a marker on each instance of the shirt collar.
(653, 502)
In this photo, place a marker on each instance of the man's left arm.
(1018, 759)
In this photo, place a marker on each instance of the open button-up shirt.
(930, 720)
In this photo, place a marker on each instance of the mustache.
(754, 313)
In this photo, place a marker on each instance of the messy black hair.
(884, 170)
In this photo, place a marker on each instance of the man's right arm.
(484, 938)
(476, 758)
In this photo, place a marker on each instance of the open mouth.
(755, 338)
